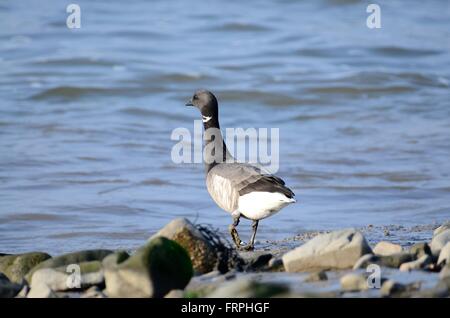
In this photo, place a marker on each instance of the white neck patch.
(205, 119)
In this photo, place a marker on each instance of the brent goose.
(239, 188)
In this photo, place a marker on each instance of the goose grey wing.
(222, 190)
(247, 178)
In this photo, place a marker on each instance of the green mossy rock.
(70, 258)
(245, 288)
(152, 271)
(182, 231)
(15, 267)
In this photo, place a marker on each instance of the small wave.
(68, 62)
(33, 163)
(148, 182)
(182, 78)
(268, 98)
(343, 2)
(102, 235)
(136, 34)
(57, 128)
(97, 181)
(143, 112)
(380, 78)
(154, 181)
(249, 66)
(102, 209)
(350, 90)
(93, 159)
(321, 52)
(70, 92)
(32, 217)
(66, 93)
(130, 145)
(359, 188)
(344, 162)
(305, 117)
(242, 27)
(350, 131)
(351, 52)
(394, 177)
(68, 174)
(396, 51)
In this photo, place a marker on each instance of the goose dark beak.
(189, 103)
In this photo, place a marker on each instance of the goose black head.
(206, 102)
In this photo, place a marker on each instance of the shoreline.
(408, 267)
(403, 235)
(399, 234)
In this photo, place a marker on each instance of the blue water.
(86, 114)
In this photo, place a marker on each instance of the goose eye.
(195, 97)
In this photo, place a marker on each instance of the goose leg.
(234, 232)
(251, 245)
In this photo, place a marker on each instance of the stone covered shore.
(187, 260)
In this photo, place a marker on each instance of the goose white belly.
(260, 205)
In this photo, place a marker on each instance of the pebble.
(316, 277)
(386, 248)
(420, 263)
(354, 282)
(335, 250)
